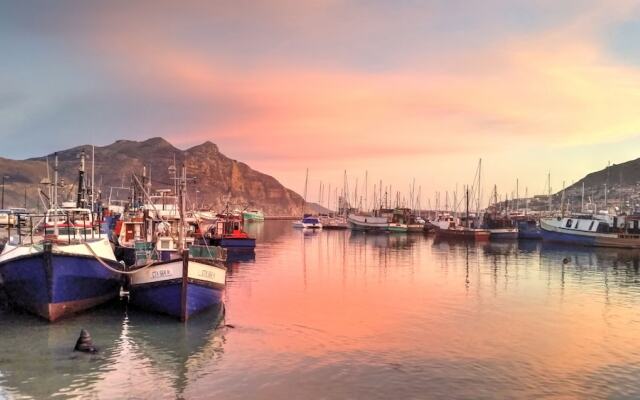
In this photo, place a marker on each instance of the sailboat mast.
(517, 195)
(549, 189)
(467, 208)
(182, 198)
(80, 196)
(582, 199)
(366, 183)
(306, 181)
(55, 195)
(479, 187)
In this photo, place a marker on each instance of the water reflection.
(340, 315)
(37, 358)
(140, 355)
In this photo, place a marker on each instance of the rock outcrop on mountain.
(216, 180)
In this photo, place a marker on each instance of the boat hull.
(54, 286)
(165, 288)
(560, 235)
(464, 234)
(415, 227)
(365, 223)
(244, 243)
(253, 217)
(400, 228)
(531, 234)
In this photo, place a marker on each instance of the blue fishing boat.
(53, 279)
(180, 288)
(529, 229)
(182, 285)
(66, 268)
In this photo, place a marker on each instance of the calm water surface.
(341, 315)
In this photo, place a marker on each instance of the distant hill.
(617, 175)
(622, 182)
(218, 178)
(315, 208)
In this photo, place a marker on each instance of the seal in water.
(84, 343)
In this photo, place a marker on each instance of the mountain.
(622, 182)
(217, 178)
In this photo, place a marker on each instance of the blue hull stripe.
(167, 298)
(567, 238)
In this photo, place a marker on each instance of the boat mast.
(366, 183)
(549, 190)
(479, 187)
(306, 181)
(55, 195)
(182, 198)
(80, 201)
(562, 201)
(582, 199)
(517, 195)
(467, 201)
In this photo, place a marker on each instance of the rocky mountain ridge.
(217, 179)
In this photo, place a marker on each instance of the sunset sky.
(400, 88)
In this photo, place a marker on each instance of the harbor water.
(338, 315)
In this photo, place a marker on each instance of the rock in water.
(84, 343)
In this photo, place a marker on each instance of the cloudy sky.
(400, 88)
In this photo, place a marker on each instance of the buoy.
(84, 343)
(566, 260)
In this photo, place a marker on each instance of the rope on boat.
(110, 268)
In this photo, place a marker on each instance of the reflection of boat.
(34, 355)
(177, 352)
(234, 255)
(600, 230)
(601, 257)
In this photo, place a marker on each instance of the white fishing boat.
(367, 222)
(593, 230)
